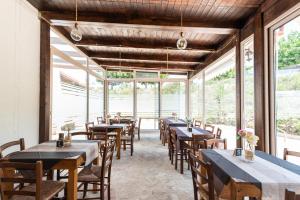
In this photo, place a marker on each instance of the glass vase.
(249, 151)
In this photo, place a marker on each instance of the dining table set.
(266, 177)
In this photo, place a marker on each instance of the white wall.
(19, 71)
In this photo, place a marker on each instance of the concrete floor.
(148, 174)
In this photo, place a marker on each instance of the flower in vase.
(68, 127)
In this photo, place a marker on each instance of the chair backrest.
(209, 128)
(87, 135)
(198, 141)
(107, 160)
(100, 120)
(291, 195)
(197, 123)
(173, 138)
(89, 125)
(100, 134)
(7, 178)
(131, 129)
(5, 146)
(201, 174)
(215, 143)
(219, 133)
(287, 153)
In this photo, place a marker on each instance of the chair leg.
(124, 145)
(172, 157)
(85, 188)
(131, 148)
(176, 159)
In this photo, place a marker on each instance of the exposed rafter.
(125, 20)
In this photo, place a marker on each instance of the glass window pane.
(146, 74)
(119, 74)
(220, 94)
(96, 95)
(173, 99)
(287, 90)
(69, 98)
(148, 103)
(196, 98)
(120, 96)
(173, 75)
(248, 78)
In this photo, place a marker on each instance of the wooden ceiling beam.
(115, 55)
(156, 66)
(139, 22)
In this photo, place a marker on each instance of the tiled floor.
(148, 174)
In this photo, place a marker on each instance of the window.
(148, 104)
(69, 98)
(248, 83)
(173, 75)
(196, 97)
(96, 97)
(220, 97)
(173, 99)
(286, 66)
(120, 98)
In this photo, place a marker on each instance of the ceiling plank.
(131, 21)
(119, 42)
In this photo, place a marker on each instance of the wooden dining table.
(80, 152)
(264, 178)
(118, 128)
(183, 136)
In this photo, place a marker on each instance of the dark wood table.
(266, 177)
(183, 135)
(118, 128)
(66, 158)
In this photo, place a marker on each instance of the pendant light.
(75, 34)
(181, 42)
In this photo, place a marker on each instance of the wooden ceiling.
(142, 32)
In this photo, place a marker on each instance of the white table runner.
(274, 179)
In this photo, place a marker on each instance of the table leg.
(118, 143)
(181, 161)
(72, 184)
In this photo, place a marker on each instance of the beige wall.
(19, 71)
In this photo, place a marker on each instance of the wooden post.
(44, 112)
(238, 84)
(259, 87)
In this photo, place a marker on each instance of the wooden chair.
(287, 153)
(63, 174)
(102, 136)
(215, 143)
(89, 125)
(203, 180)
(5, 146)
(175, 152)
(139, 128)
(209, 128)
(197, 123)
(98, 175)
(291, 195)
(198, 142)
(161, 129)
(34, 186)
(219, 133)
(128, 138)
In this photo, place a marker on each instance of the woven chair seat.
(92, 174)
(48, 190)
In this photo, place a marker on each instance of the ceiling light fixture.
(75, 34)
(181, 42)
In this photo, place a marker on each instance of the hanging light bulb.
(75, 34)
(181, 42)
